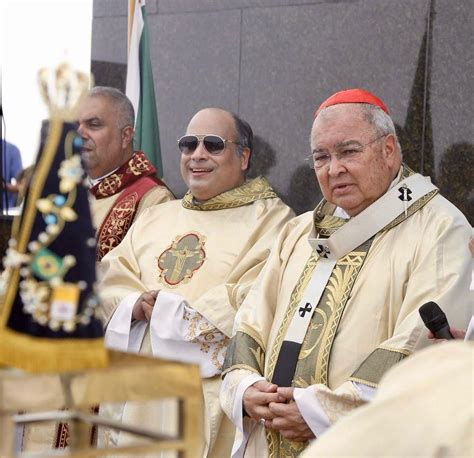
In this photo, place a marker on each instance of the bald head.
(208, 174)
(220, 121)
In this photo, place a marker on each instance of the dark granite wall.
(273, 61)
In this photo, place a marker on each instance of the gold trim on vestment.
(421, 202)
(376, 365)
(249, 192)
(283, 448)
(241, 366)
(313, 361)
(243, 350)
(303, 281)
(324, 222)
(325, 321)
(396, 350)
(116, 224)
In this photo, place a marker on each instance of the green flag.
(140, 88)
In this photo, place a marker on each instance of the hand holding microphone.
(435, 320)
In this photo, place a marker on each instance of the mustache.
(87, 145)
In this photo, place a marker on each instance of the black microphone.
(435, 320)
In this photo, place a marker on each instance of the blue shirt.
(11, 167)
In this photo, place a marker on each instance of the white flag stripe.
(133, 68)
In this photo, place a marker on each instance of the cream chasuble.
(207, 255)
(423, 407)
(367, 319)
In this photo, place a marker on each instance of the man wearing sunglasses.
(123, 182)
(337, 303)
(172, 287)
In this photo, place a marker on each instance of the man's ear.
(245, 158)
(127, 136)
(390, 147)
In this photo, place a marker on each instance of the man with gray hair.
(123, 182)
(336, 304)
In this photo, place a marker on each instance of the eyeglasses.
(344, 154)
(213, 144)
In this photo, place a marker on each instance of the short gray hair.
(125, 112)
(380, 121)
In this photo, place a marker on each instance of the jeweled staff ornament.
(47, 288)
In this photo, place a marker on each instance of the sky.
(36, 34)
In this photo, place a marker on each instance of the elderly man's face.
(106, 146)
(208, 175)
(356, 175)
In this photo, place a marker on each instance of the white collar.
(93, 181)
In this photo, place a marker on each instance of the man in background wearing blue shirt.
(12, 165)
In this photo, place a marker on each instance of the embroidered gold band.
(375, 365)
(244, 352)
(249, 192)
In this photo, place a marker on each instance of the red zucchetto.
(352, 96)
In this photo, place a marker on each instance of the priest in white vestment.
(336, 304)
(172, 287)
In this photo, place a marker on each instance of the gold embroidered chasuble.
(101, 207)
(118, 198)
(367, 318)
(210, 254)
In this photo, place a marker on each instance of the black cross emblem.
(323, 251)
(306, 308)
(404, 194)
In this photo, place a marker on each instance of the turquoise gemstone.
(50, 219)
(59, 200)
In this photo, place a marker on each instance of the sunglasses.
(213, 144)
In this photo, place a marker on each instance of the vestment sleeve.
(245, 358)
(231, 394)
(440, 271)
(180, 333)
(155, 196)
